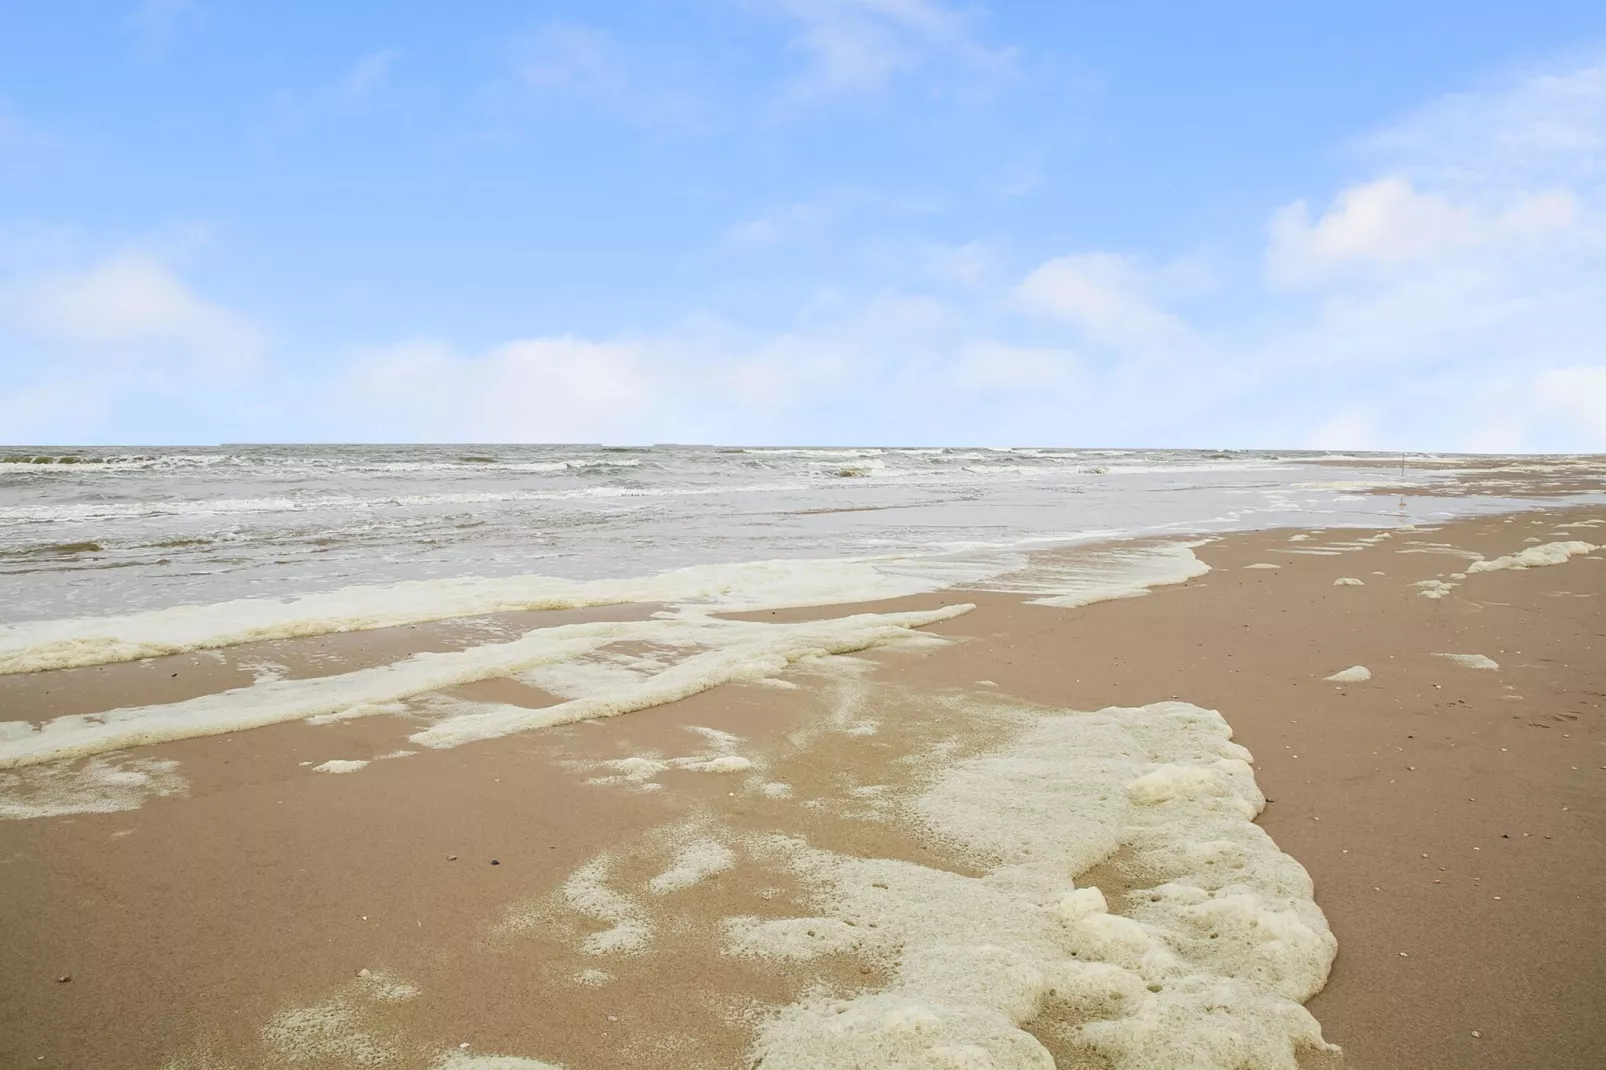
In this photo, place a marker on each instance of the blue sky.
(1356, 225)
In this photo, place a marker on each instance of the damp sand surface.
(1451, 821)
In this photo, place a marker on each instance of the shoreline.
(1252, 643)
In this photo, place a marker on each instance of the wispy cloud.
(1105, 296)
(842, 48)
(568, 60)
(1535, 127)
(370, 74)
(1460, 290)
(542, 389)
(109, 344)
(128, 303)
(1446, 295)
(1388, 224)
(155, 22)
(864, 46)
(367, 86)
(563, 67)
(815, 217)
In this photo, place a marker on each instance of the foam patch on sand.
(359, 710)
(340, 765)
(753, 585)
(1434, 588)
(771, 649)
(693, 864)
(1443, 548)
(795, 939)
(1206, 965)
(358, 1025)
(745, 651)
(1263, 564)
(1355, 674)
(629, 928)
(602, 671)
(642, 770)
(335, 1030)
(1119, 572)
(101, 785)
(1348, 581)
(1550, 553)
(1471, 661)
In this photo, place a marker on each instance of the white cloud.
(972, 265)
(1448, 296)
(130, 302)
(1385, 221)
(370, 74)
(570, 60)
(30, 414)
(1576, 396)
(156, 21)
(799, 219)
(1455, 301)
(860, 46)
(121, 349)
(995, 367)
(566, 66)
(831, 213)
(1104, 295)
(1539, 127)
(1349, 430)
(533, 390)
(363, 89)
(1388, 224)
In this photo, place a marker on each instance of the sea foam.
(1206, 966)
(740, 651)
(1105, 574)
(753, 585)
(1550, 553)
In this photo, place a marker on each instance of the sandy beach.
(802, 535)
(617, 891)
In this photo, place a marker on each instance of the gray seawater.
(87, 532)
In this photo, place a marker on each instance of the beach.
(990, 817)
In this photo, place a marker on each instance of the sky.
(1362, 225)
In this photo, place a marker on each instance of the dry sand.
(1452, 818)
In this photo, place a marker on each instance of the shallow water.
(86, 532)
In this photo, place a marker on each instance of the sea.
(92, 532)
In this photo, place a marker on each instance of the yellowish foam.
(1207, 968)
(1550, 553)
(741, 651)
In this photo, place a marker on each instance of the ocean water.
(96, 532)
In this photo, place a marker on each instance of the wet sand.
(1453, 820)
